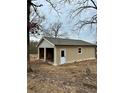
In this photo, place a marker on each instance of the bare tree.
(30, 26)
(55, 31)
(81, 6)
(34, 26)
(86, 5)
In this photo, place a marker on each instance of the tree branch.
(35, 9)
(32, 4)
(80, 9)
(94, 3)
(84, 23)
(53, 7)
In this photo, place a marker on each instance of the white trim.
(38, 53)
(39, 42)
(44, 54)
(78, 50)
(42, 39)
(61, 50)
(54, 55)
(49, 42)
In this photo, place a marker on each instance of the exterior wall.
(72, 54)
(46, 44)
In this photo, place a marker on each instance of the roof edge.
(44, 38)
(48, 41)
(39, 42)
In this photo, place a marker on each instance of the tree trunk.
(29, 69)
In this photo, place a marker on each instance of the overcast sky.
(86, 33)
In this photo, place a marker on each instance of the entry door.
(63, 56)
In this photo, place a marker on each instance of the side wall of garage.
(72, 54)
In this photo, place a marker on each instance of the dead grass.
(33, 57)
(68, 78)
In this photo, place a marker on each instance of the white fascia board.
(49, 42)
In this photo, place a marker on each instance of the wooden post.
(38, 55)
(55, 57)
(44, 54)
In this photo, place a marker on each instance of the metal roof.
(61, 41)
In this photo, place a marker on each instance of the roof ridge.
(69, 39)
(64, 38)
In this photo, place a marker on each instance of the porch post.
(55, 57)
(44, 54)
(38, 53)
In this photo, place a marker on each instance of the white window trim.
(64, 52)
(78, 50)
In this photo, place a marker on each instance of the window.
(80, 50)
(62, 53)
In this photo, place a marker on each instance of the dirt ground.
(79, 77)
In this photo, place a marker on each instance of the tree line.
(33, 48)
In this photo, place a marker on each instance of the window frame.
(80, 50)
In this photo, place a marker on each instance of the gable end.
(45, 43)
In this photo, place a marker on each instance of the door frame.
(64, 55)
